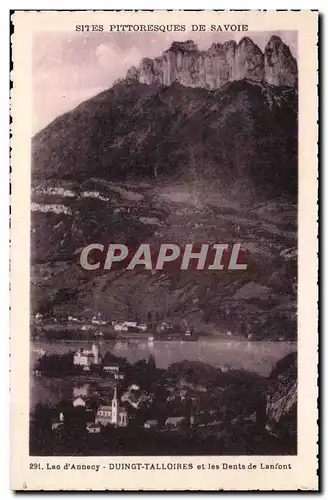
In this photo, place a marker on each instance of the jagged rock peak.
(183, 62)
(280, 65)
(246, 41)
(187, 46)
(223, 46)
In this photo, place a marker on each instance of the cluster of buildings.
(115, 414)
(88, 358)
(122, 408)
(98, 320)
(92, 398)
(162, 330)
(126, 326)
(119, 412)
(186, 404)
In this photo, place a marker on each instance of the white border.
(4, 145)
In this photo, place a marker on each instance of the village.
(97, 326)
(123, 394)
(112, 398)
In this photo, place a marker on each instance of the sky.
(69, 68)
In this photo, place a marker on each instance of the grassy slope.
(178, 213)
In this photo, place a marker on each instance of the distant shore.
(65, 331)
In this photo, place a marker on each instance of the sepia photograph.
(164, 260)
(181, 142)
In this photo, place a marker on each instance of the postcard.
(164, 322)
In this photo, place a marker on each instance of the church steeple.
(115, 407)
(115, 395)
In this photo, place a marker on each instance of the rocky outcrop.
(282, 393)
(280, 65)
(183, 62)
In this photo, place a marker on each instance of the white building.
(58, 422)
(82, 390)
(125, 325)
(131, 324)
(151, 424)
(93, 428)
(96, 320)
(114, 369)
(72, 318)
(120, 327)
(38, 317)
(86, 358)
(111, 368)
(136, 397)
(79, 402)
(174, 422)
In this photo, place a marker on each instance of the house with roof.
(38, 317)
(79, 402)
(111, 368)
(133, 396)
(114, 370)
(97, 320)
(120, 327)
(57, 422)
(151, 424)
(125, 326)
(82, 390)
(72, 319)
(93, 428)
(174, 422)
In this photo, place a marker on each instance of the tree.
(151, 362)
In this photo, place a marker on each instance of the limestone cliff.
(183, 62)
(280, 65)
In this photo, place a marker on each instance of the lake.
(254, 356)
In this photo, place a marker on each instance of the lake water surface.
(259, 356)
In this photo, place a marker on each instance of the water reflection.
(253, 356)
(249, 355)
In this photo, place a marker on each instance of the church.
(116, 414)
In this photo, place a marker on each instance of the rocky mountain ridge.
(183, 62)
